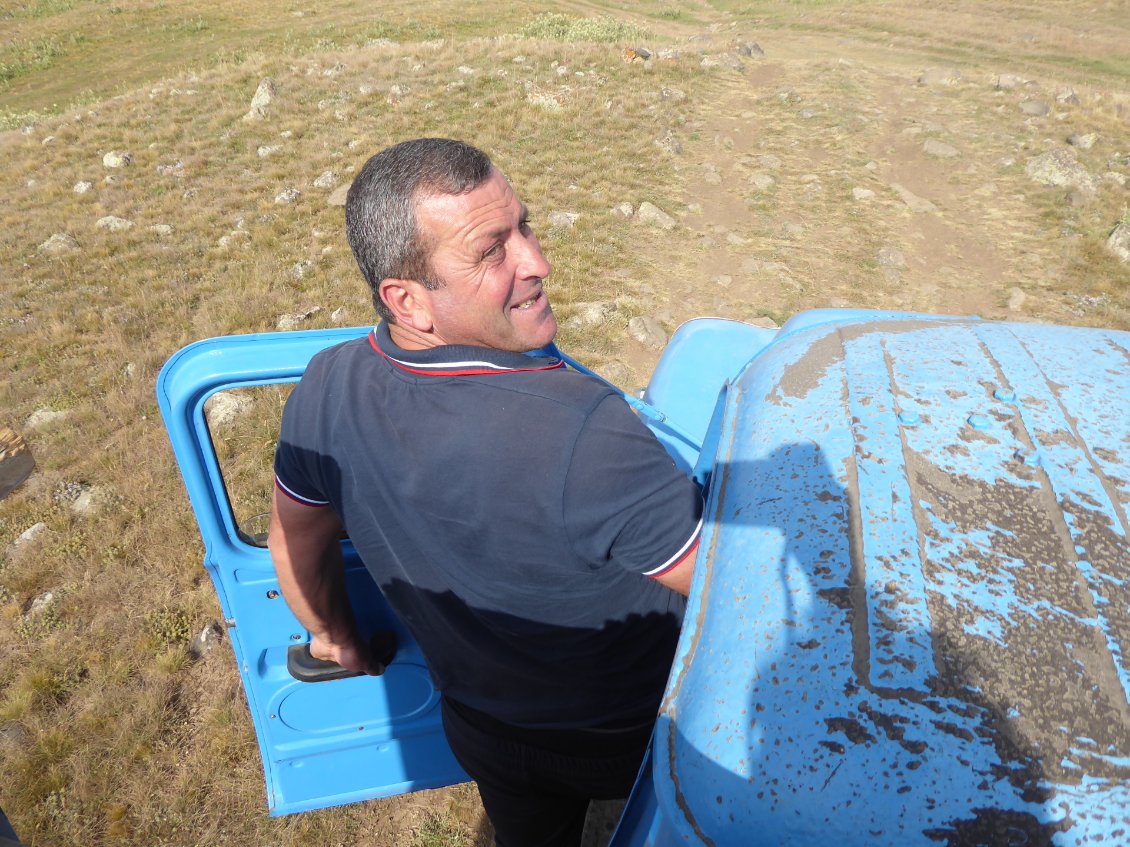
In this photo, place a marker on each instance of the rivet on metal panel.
(978, 421)
(1029, 457)
(296, 637)
(1005, 395)
(272, 594)
(909, 418)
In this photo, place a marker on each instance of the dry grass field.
(809, 153)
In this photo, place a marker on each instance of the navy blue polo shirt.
(510, 510)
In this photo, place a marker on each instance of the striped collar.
(458, 360)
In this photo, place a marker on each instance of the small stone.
(83, 186)
(1119, 242)
(669, 143)
(41, 604)
(913, 201)
(1035, 108)
(750, 48)
(764, 322)
(208, 640)
(338, 195)
(592, 314)
(264, 150)
(672, 93)
(288, 195)
(27, 538)
(60, 242)
(337, 316)
(769, 161)
(264, 96)
(861, 194)
(872, 166)
(44, 417)
(648, 332)
(114, 224)
(1115, 177)
(891, 257)
(224, 408)
(325, 180)
(298, 269)
(712, 175)
(762, 182)
(722, 60)
(933, 147)
(161, 229)
(294, 321)
(651, 214)
(1016, 299)
(1083, 142)
(939, 76)
(174, 169)
(91, 500)
(563, 220)
(336, 70)
(1060, 167)
(1067, 97)
(116, 159)
(1009, 82)
(724, 280)
(623, 210)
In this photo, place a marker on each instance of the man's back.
(481, 488)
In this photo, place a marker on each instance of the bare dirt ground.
(877, 160)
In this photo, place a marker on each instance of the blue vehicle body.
(909, 618)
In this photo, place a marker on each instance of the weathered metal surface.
(911, 615)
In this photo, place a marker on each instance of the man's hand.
(353, 655)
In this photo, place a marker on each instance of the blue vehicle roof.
(910, 617)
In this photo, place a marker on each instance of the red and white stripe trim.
(685, 552)
(298, 498)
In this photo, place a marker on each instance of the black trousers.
(536, 784)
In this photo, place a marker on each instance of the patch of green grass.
(27, 58)
(40, 9)
(554, 26)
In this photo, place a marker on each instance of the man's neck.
(407, 338)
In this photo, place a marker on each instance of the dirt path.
(845, 168)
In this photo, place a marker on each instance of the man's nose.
(532, 262)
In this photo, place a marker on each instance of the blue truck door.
(322, 743)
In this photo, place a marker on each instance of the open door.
(323, 743)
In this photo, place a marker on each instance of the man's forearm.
(307, 556)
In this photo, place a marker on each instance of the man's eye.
(494, 252)
(525, 227)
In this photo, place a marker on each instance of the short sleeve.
(297, 474)
(625, 501)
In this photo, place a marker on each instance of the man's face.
(492, 268)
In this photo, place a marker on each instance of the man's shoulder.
(562, 386)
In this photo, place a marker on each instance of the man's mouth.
(529, 304)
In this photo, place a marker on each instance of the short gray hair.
(380, 210)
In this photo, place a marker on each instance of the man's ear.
(409, 303)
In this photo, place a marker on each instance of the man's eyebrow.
(524, 213)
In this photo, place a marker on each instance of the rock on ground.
(264, 95)
(338, 195)
(933, 147)
(648, 332)
(649, 213)
(113, 223)
(43, 416)
(1060, 167)
(1119, 242)
(117, 159)
(224, 408)
(60, 242)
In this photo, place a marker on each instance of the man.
(525, 526)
